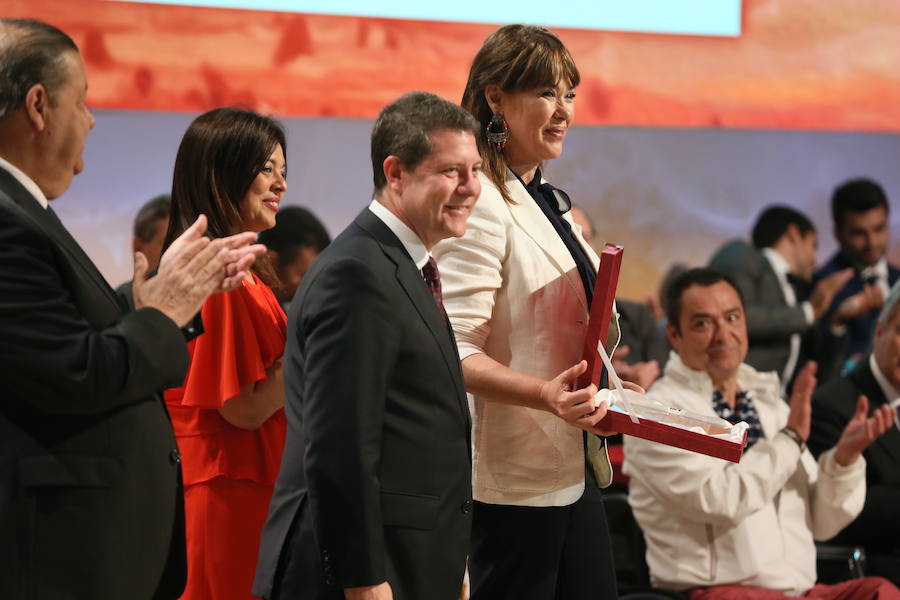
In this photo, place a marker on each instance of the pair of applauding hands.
(859, 433)
(191, 269)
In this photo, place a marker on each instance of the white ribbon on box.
(620, 394)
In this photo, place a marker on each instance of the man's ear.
(393, 173)
(37, 103)
(793, 233)
(493, 94)
(673, 336)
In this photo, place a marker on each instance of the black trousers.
(542, 553)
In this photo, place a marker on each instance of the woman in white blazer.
(517, 290)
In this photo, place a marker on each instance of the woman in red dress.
(228, 416)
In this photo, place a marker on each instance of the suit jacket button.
(466, 507)
(175, 457)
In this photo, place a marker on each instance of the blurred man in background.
(293, 244)
(859, 208)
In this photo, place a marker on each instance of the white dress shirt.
(26, 181)
(411, 242)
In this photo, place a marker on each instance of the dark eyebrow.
(701, 316)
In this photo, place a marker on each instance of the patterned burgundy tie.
(433, 279)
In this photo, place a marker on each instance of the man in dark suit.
(374, 495)
(89, 476)
(783, 250)
(878, 378)
(859, 209)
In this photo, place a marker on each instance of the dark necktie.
(433, 279)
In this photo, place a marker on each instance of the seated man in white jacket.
(743, 530)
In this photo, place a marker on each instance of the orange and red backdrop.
(681, 139)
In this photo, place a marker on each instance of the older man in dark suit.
(374, 496)
(878, 378)
(89, 476)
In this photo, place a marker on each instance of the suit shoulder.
(736, 252)
(636, 312)
(20, 230)
(834, 264)
(347, 261)
(14, 215)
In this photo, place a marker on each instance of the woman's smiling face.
(538, 122)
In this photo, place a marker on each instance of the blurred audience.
(150, 225)
(877, 378)
(149, 232)
(859, 209)
(742, 530)
(294, 243)
(769, 274)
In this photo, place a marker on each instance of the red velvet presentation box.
(647, 428)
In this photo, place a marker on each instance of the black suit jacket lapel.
(410, 279)
(55, 229)
(867, 384)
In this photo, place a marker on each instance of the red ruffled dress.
(229, 472)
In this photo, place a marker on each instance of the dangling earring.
(498, 131)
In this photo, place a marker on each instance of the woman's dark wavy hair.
(220, 155)
(517, 58)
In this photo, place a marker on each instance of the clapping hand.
(191, 269)
(801, 396)
(862, 430)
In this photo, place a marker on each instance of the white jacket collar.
(759, 384)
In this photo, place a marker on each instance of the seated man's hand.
(193, 268)
(823, 293)
(641, 373)
(862, 430)
(801, 408)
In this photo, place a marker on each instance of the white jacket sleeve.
(471, 273)
(710, 490)
(837, 496)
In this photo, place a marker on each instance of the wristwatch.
(794, 436)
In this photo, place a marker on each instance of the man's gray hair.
(404, 127)
(891, 305)
(31, 52)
